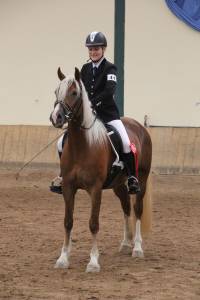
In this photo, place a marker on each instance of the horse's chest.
(83, 176)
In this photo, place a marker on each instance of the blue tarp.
(186, 10)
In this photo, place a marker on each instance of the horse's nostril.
(59, 117)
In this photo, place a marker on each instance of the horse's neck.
(78, 141)
(77, 138)
(82, 154)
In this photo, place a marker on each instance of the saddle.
(116, 144)
(117, 167)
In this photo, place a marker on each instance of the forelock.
(63, 87)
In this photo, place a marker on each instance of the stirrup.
(56, 185)
(133, 185)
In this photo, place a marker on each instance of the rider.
(100, 79)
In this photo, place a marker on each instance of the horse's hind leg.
(122, 193)
(142, 209)
(138, 208)
(63, 260)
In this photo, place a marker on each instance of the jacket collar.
(98, 63)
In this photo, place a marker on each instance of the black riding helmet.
(96, 38)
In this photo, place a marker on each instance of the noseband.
(70, 112)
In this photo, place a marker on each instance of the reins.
(86, 128)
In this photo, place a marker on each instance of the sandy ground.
(31, 235)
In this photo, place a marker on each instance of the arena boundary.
(175, 149)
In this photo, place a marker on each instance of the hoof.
(61, 264)
(138, 253)
(93, 268)
(125, 248)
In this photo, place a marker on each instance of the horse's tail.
(146, 219)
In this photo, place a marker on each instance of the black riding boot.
(129, 162)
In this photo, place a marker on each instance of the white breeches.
(119, 126)
(123, 134)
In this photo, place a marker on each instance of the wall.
(175, 150)
(161, 58)
(162, 77)
(20, 143)
(161, 74)
(36, 38)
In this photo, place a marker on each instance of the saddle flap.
(118, 164)
(116, 143)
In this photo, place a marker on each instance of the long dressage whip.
(38, 153)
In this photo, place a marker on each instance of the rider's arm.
(110, 87)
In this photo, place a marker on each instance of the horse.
(85, 162)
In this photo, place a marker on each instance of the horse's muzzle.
(57, 122)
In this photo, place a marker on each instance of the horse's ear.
(77, 74)
(61, 76)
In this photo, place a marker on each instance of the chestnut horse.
(86, 159)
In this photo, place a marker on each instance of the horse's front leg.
(68, 194)
(93, 265)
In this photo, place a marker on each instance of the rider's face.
(96, 53)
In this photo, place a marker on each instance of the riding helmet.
(96, 38)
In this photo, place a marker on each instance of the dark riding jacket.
(101, 88)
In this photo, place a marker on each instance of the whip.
(38, 153)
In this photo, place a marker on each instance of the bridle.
(71, 113)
